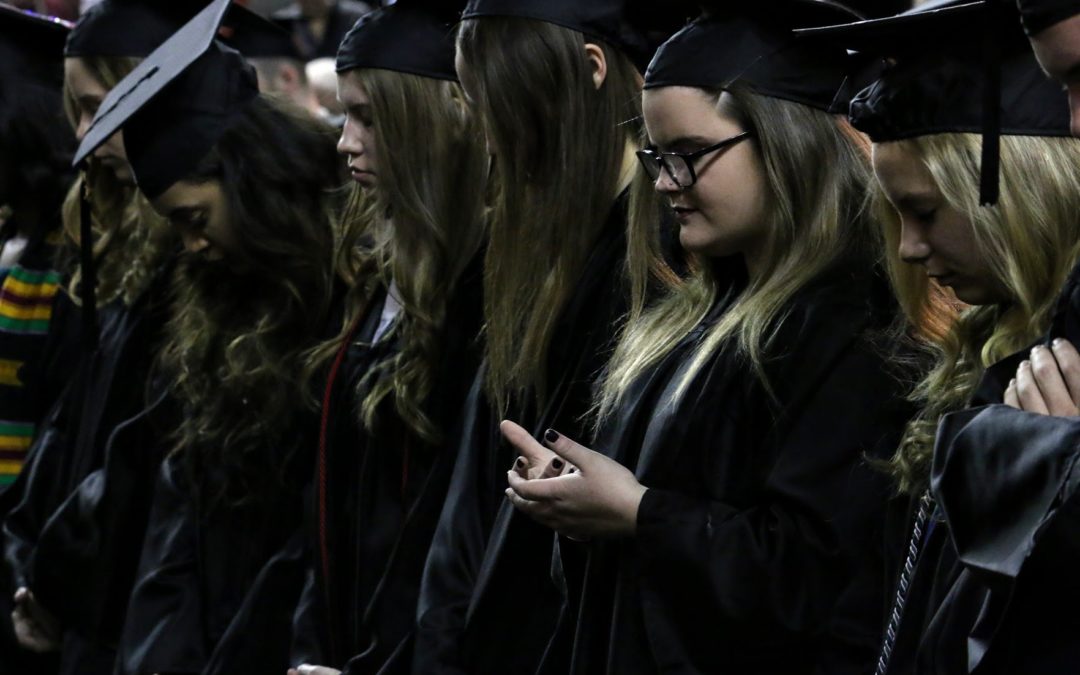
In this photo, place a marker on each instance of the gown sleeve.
(457, 549)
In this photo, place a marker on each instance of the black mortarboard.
(176, 104)
(31, 46)
(616, 22)
(134, 28)
(256, 37)
(410, 36)
(1038, 15)
(756, 46)
(954, 66)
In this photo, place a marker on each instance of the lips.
(682, 213)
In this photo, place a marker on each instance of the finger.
(1068, 360)
(521, 467)
(22, 594)
(539, 490)
(534, 453)
(568, 449)
(531, 508)
(317, 670)
(1028, 392)
(1011, 399)
(553, 468)
(1050, 382)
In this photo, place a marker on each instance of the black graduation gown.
(484, 552)
(218, 580)
(995, 589)
(384, 492)
(60, 538)
(755, 549)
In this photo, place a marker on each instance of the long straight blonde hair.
(559, 145)
(420, 228)
(817, 171)
(1030, 239)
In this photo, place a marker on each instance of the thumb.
(569, 449)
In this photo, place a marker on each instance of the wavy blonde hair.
(420, 228)
(559, 144)
(131, 240)
(1030, 239)
(816, 220)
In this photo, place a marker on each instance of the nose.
(349, 143)
(914, 248)
(194, 242)
(664, 184)
(83, 126)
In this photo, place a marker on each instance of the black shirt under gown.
(484, 552)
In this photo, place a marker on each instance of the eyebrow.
(184, 212)
(683, 141)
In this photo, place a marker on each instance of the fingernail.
(1035, 350)
(1025, 364)
(1012, 383)
(551, 435)
(1056, 344)
(557, 463)
(519, 462)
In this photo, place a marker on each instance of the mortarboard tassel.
(989, 187)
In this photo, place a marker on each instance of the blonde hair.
(421, 228)
(131, 239)
(816, 219)
(555, 136)
(1030, 241)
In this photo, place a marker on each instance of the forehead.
(350, 89)
(675, 112)
(81, 79)
(900, 169)
(187, 194)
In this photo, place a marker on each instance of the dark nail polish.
(551, 435)
(519, 462)
(557, 463)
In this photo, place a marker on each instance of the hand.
(35, 628)
(1049, 383)
(599, 499)
(313, 670)
(535, 460)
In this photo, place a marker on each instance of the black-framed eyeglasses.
(680, 165)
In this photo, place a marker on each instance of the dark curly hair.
(236, 340)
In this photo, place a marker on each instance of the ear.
(288, 78)
(598, 60)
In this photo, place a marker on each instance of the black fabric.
(484, 554)
(256, 37)
(31, 46)
(384, 493)
(1038, 15)
(635, 28)
(343, 15)
(935, 84)
(187, 90)
(995, 592)
(189, 612)
(745, 45)
(410, 36)
(756, 548)
(125, 27)
(168, 137)
(65, 511)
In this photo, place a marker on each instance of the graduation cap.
(256, 37)
(755, 45)
(1038, 15)
(31, 46)
(409, 36)
(954, 66)
(173, 107)
(135, 28)
(624, 24)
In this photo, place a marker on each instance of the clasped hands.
(1048, 383)
(569, 488)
